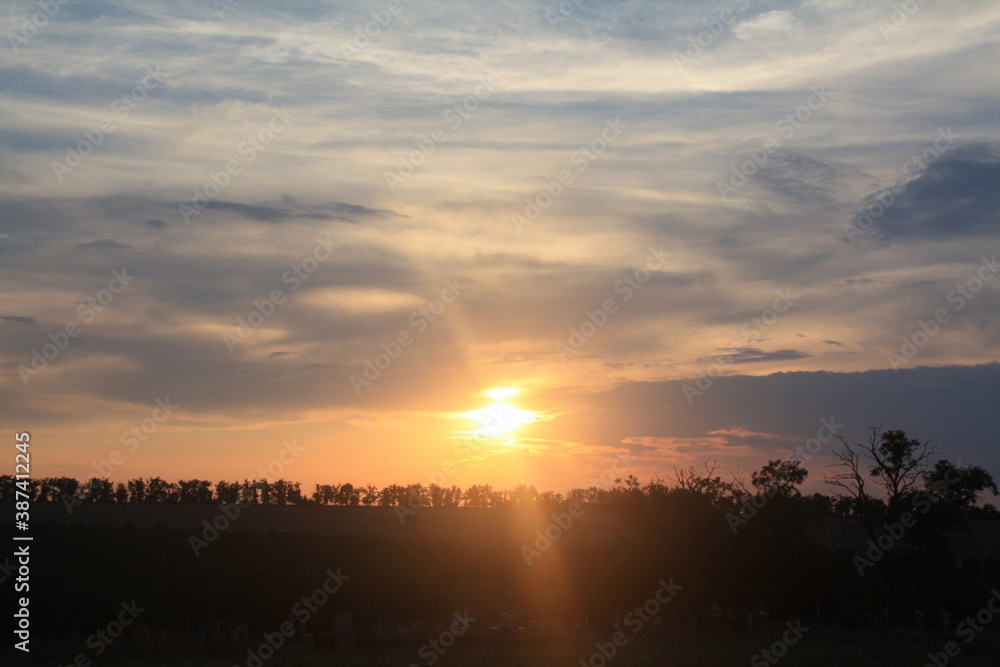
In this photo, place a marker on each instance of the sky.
(305, 240)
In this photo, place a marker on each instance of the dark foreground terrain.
(355, 586)
(818, 648)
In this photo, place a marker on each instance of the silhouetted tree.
(159, 491)
(136, 490)
(227, 492)
(369, 496)
(294, 494)
(416, 495)
(892, 462)
(436, 494)
(59, 486)
(390, 496)
(250, 492)
(478, 495)
(100, 491)
(524, 496)
(279, 492)
(194, 491)
(347, 495)
(780, 478)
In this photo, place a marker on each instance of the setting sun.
(500, 418)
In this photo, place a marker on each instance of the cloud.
(769, 27)
(104, 244)
(765, 417)
(751, 355)
(809, 181)
(15, 320)
(957, 196)
(289, 210)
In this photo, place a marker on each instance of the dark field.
(395, 586)
(819, 648)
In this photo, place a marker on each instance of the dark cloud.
(957, 196)
(287, 209)
(952, 406)
(834, 342)
(355, 210)
(104, 244)
(751, 355)
(808, 180)
(266, 213)
(154, 223)
(23, 321)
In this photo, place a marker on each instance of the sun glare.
(500, 417)
(501, 393)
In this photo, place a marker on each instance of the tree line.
(898, 467)
(284, 492)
